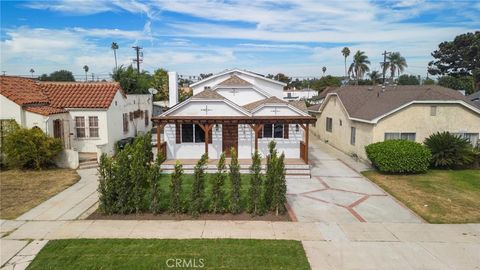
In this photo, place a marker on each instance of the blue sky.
(192, 37)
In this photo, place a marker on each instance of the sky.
(297, 38)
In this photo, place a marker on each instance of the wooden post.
(305, 140)
(159, 139)
(256, 128)
(206, 129)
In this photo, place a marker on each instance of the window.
(80, 126)
(125, 122)
(192, 133)
(273, 131)
(433, 110)
(471, 137)
(329, 124)
(147, 120)
(353, 135)
(400, 136)
(341, 123)
(93, 126)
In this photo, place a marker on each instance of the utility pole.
(138, 59)
(384, 65)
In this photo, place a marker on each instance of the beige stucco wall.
(416, 118)
(340, 135)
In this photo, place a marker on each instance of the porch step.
(88, 164)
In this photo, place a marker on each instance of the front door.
(229, 138)
(57, 129)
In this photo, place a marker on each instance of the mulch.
(97, 215)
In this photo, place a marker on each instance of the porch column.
(305, 139)
(159, 138)
(256, 128)
(206, 129)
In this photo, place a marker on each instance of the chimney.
(172, 88)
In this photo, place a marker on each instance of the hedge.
(399, 156)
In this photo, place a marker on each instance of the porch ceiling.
(235, 119)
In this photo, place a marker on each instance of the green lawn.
(160, 254)
(439, 196)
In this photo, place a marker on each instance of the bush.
(236, 182)
(175, 205)
(450, 151)
(280, 186)
(218, 181)
(30, 148)
(198, 187)
(255, 206)
(399, 156)
(270, 175)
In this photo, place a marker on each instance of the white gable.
(206, 108)
(241, 96)
(277, 110)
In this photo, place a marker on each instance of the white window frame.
(80, 127)
(400, 136)
(328, 121)
(353, 135)
(90, 127)
(273, 131)
(195, 126)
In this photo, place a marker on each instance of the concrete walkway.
(70, 203)
(337, 192)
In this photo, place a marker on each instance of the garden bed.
(148, 216)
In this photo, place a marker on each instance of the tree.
(458, 58)
(324, 82)
(204, 75)
(374, 77)
(154, 179)
(32, 71)
(85, 68)
(198, 187)
(408, 80)
(217, 186)
(176, 189)
(255, 191)
(105, 181)
(236, 182)
(159, 81)
(131, 81)
(283, 78)
(457, 83)
(345, 53)
(359, 65)
(270, 175)
(58, 76)
(324, 69)
(396, 63)
(428, 81)
(280, 186)
(114, 47)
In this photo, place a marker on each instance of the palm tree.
(359, 66)
(374, 76)
(323, 70)
(32, 71)
(397, 64)
(115, 48)
(346, 53)
(86, 72)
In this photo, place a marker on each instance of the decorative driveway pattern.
(337, 193)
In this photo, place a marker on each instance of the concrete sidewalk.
(70, 203)
(327, 245)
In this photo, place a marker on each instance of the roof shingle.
(45, 110)
(208, 94)
(22, 91)
(234, 80)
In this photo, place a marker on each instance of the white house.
(234, 108)
(88, 117)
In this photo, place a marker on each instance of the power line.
(139, 58)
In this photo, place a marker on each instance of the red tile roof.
(45, 110)
(22, 91)
(56, 96)
(80, 95)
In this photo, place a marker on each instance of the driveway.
(338, 193)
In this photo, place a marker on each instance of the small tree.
(123, 184)
(176, 189)
(198, 187)
(217, 186)
(236, 182)
(255, 192)
(154, 177)
(270, 174)
(280, 186)
(105, 179)
(449, 150)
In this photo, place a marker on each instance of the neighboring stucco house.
(87, 117)
(234, 108)
(352, 117)
(475, 97)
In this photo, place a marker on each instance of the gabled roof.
(234, 80)
(97, 95)
(45, 110)
(236, 70)
(22, 91)
(370, 103)
(299, 105)
(208, 94)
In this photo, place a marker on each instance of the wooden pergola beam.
(206, 130)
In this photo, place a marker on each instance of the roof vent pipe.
(172, 88)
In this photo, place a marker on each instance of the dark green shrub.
(255, 206)
(198, 187)
(218, 181)
(449, 150)
(270, 175)
(154, 182)
(399, 156)
(30, 148)
(176, 205)
(280, 186)
(236, 182)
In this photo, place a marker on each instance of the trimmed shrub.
(399, 156)
(280, 186)
(154, 181)
(176, 206)
(270, 175)
(255, 191)
(236, 182)
(198, 187)
(450, 151)
(218, 181)
(30, 148)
